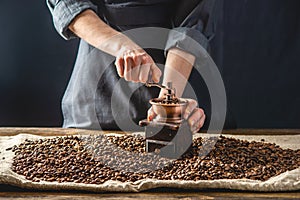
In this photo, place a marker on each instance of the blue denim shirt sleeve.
(199, 24)
(64, 11)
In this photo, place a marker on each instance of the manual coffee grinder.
(168, 134)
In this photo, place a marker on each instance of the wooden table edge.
(53, 131)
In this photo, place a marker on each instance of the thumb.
(156, 73)
(151, 114)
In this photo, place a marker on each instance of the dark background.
(261, 63)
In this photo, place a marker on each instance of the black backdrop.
(261, 63)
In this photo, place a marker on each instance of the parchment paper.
(288, 181)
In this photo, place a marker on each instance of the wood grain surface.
(9, 192)
(6, 131)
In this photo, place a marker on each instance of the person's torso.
(127, 14)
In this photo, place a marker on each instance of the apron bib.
(88, 101)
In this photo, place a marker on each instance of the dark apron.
(96, 97)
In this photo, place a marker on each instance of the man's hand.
(132, 62)
(194, 115)
(178, 67)
(137, 66)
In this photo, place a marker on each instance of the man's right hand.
(137, 66)
(132, 62)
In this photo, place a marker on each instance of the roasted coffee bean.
(96, 159)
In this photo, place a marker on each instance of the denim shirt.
(195, 18)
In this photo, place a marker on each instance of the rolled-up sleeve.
(64, 11)
(196, 23)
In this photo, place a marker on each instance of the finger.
(196, 120)
(156, 73)
(120, 66)
(202, 120)
(137, 58)
(192, 104)
(198, 125)
(154, 70)
(195, 116)
(135, 74)
(144, 73)
(135, 68)
(127, 68)
(151, 114)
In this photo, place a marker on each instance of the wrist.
(121, 44)
(182, 55)
(178, 67)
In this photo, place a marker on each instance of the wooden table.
(10, 192)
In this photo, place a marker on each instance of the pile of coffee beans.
(96, 159)
(172, 101)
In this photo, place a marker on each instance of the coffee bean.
(96, 159)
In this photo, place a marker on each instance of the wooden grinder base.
(169, 140)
